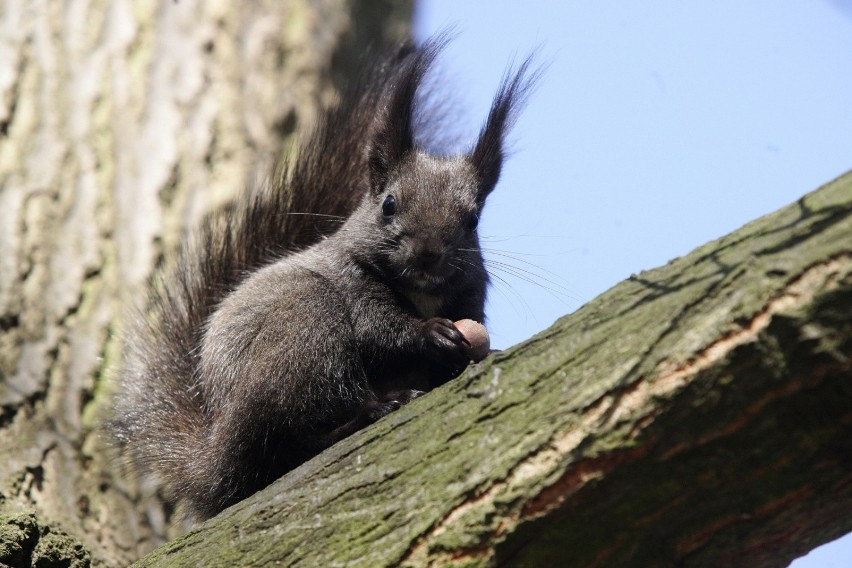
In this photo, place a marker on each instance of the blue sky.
(657, 127)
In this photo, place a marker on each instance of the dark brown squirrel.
(317, 303)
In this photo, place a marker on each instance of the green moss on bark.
(25, 542)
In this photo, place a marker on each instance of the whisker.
(505, 288)
(511, 253)
(533, 277)
(503, 238)
(554, 292)
(335, 217)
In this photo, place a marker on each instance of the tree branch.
(695, 414)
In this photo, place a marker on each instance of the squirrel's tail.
(159, 419)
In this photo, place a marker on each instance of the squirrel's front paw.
(403, 396)
(373, 410)
(445, 344)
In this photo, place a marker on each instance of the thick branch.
(695, 414)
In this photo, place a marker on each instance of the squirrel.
(317, 303)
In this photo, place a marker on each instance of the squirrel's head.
(428, 207)
(427, 212)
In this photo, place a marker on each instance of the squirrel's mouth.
(425, 278)
(426, 271)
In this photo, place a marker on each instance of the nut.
(477, 336)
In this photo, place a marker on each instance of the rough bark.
(697, 414)
(121, 122)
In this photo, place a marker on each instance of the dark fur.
(278, 333)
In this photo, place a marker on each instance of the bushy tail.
(159, 415)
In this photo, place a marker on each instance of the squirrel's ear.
(393, 139)
(489, 152)
(394, 134)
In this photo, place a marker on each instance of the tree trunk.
(121, 122)
(695, 415)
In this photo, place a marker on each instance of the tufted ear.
(394, 134)
(489, 152)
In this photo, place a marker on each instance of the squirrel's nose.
(429, 253)
(429, 257)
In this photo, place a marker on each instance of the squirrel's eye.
(389, 206)
(472, 221)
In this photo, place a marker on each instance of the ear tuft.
(394, 133)
(488, 154)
